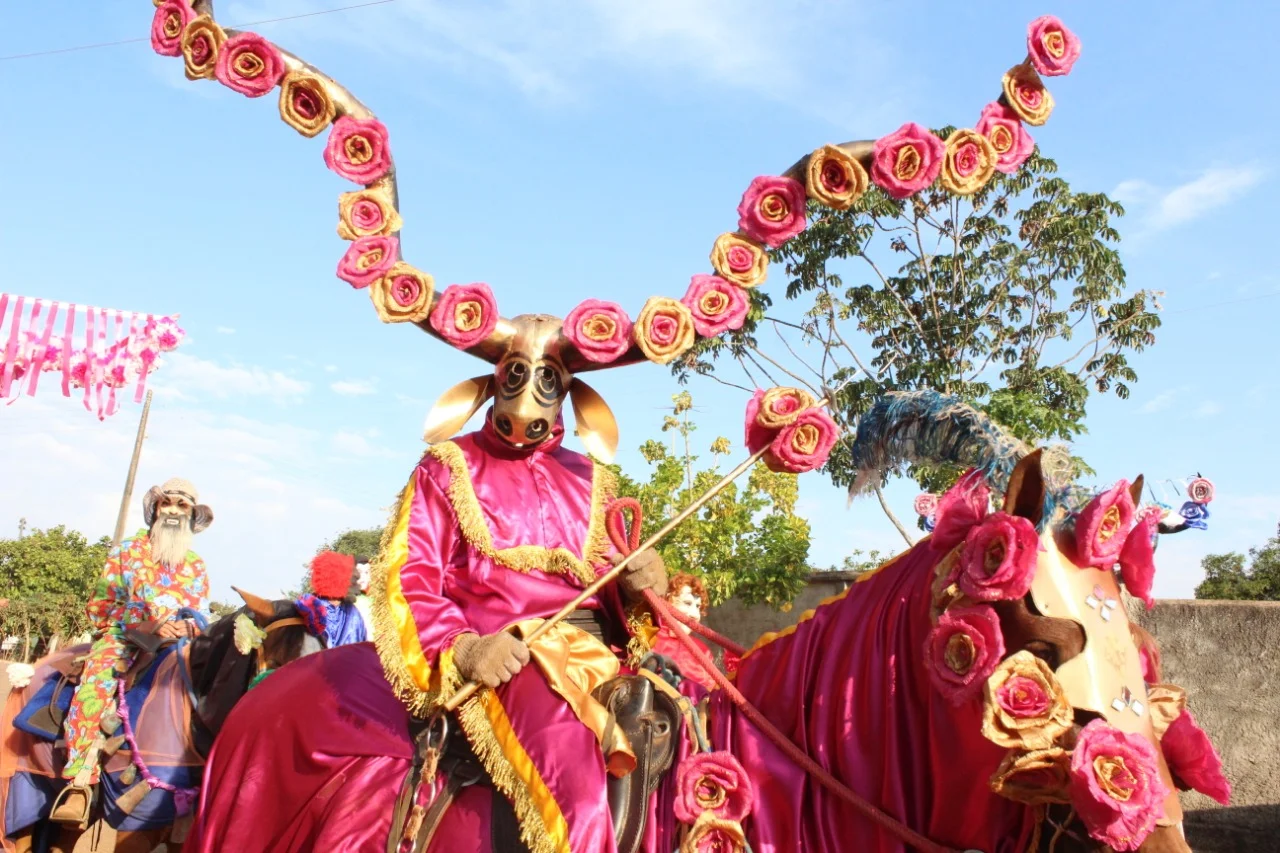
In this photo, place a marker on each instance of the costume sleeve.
(107, 605)
(424, 548)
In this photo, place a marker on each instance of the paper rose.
(249, 64)
(803, 445)
(305, 104)
(772, 210)
(167, 26)
(999, 558)
(963, 650)
(1026, 95)
(907, 160)
(600, 330)
(969, 163)
(1138, 556)
(1011, 141)
(202, 40)
(740, 260)
(1053, 48)
(1025, 706)
(960, 508)
(1034, 778)
(1165, 703)
(834, 178)
(1200, 490)
(1102, 527)
(713, 835)
(780, 407)
(664, 330)
(19, 675)
(712, 782)
(465, 314)
(1195, 515)
(925, 504)
(403, 295)
(164, 332)
(368, 259)
(1115, 785)
(1193, 760)
(756, 437)
(716, 305)
(358, 150)
(367, 213)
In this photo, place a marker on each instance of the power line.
(235, 27)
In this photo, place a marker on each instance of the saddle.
(649, 718)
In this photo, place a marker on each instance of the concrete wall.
(1225, 654)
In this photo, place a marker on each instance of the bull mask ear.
(455, 407)
(149, 501)
(1135, 490)
(1025, 495)
(596, 425)
(257, 605)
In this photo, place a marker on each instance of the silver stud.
(1118, 704)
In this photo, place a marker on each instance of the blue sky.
(577, 148)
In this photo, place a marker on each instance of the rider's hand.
(490, 660)
(171, 631)
(646, 571)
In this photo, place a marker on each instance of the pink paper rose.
(600, 330)
(716, 305)
(757, 436)
(1023, 697)
(1137, 557)
(772, 210)
(907, 160)
(1115, 785)
(1200, 490)
(466, 314)
(960, 508)
(1102, 527)
(170, 20)
(367, 260)
(999, 558)
(803, 445)
(249, 64)
(358, 149)
(1053, 48)
(964, 649)
(712, 782)
(1008, 136)
(925, 504)
(1193, 760)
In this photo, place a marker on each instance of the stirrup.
(73, 804)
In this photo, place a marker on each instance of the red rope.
(614, 521)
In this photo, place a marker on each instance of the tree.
(747, 541)
(1012, 299)
(860, 561)
(361, 544)
(1227, 577)
(47, 577)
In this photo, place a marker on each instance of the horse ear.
(1135, 490)
(257, 605)
(596, 425)
(1025, 495)
(455, 407)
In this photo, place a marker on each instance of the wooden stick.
(470, 688)
(133, 471)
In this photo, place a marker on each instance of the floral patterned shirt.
(134, 588)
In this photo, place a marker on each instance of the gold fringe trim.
(535, 832)
(526, 558)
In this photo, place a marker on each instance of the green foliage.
(860, 561)
(1227, 576)
(47, 577)
(1013, 298)
(747, 541)
(361, 544)
(218, 609)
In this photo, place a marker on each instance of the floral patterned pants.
(95, 696)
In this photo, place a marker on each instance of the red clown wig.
(331, 574)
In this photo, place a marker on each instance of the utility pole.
(133, 471)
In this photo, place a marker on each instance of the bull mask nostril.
(536, 430)
(503, 423)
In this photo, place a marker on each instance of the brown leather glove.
(489, 660)
(646, 571)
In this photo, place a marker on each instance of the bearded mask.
(534, 366)
(175, 502)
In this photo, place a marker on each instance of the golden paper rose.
(403, 295)
(1025, 707)
(834, 178)
(739, 260)
(305, 103)
(201, 41)
(711, 833)
(1034, 778)
(945, 589)
(969, 163)
(1026, 95)
(781, 407)
(367, 212)
(664, 330)
(1165, 703)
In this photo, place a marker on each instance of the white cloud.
(187, 377)
(1215, 187)
(356, 444)
(225, 330)
(353, 387)
(1208, 409)
(1161, 401)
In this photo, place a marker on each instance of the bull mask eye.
(548, 387)
(515, 375)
